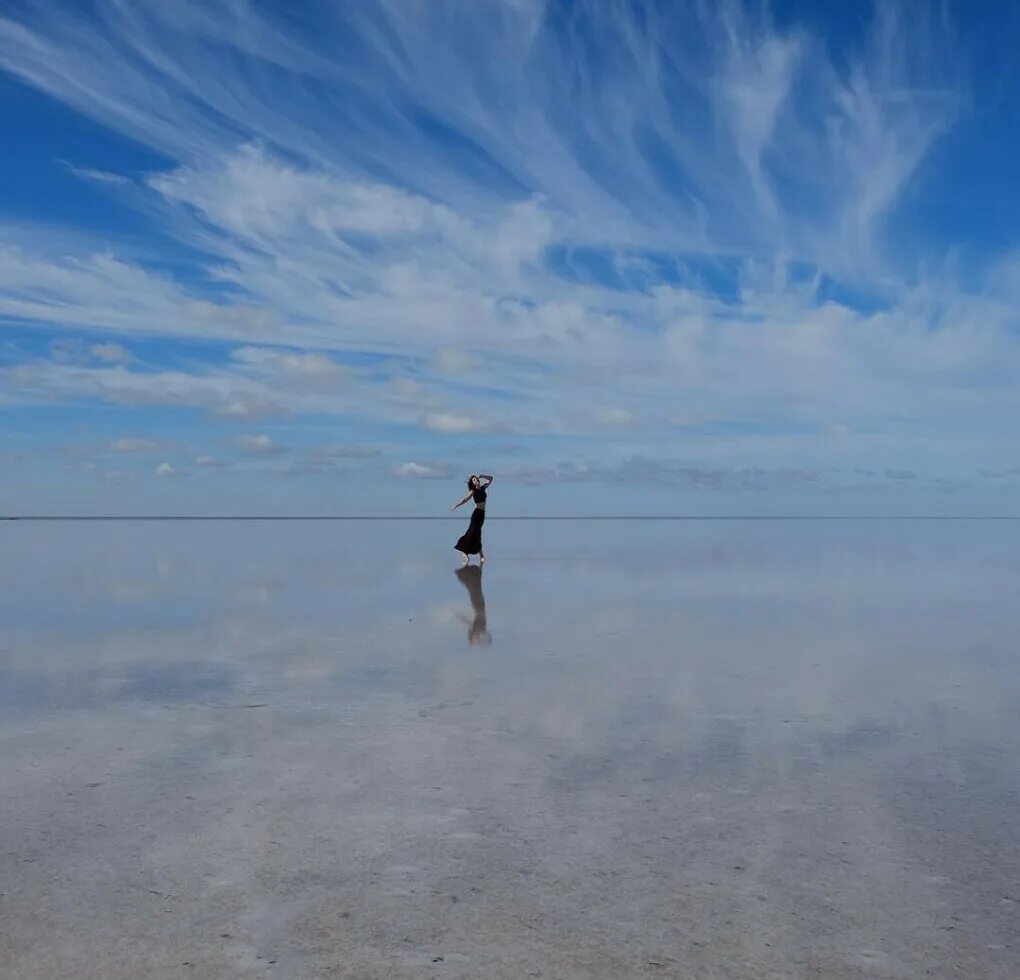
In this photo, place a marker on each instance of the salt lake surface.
(624, 749)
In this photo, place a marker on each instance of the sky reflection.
(829, 708)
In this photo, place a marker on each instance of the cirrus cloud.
(644, 218)
(425, 471)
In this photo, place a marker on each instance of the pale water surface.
(628, 749)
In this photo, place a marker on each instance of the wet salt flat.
(624, 749)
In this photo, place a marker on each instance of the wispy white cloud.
(260, 445)
(613, 416)
(425, 471)
(74, 350)
(205, 461)
(103, 292)
(447, 422)
(99, 176)
(134, 444)
(110, 353)
(594, 222)
(306, 368)
(447, 360)
(222, 394)
(699, 126)
(302, 380)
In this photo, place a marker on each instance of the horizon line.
(511, 517)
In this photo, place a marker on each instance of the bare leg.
(481, 557)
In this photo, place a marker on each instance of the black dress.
(470, 541)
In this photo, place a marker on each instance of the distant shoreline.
(508, 517)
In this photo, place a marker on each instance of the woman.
(470, 542)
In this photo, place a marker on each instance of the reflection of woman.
(478, 631)
(470, 542)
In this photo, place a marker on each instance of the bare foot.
(481, 561)
(464, 560)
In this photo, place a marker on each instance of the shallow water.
(623, 749)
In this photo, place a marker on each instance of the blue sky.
(633, 256)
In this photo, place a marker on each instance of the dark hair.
(470, 481)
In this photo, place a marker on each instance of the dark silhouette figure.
(478, 630)
(470, 542)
